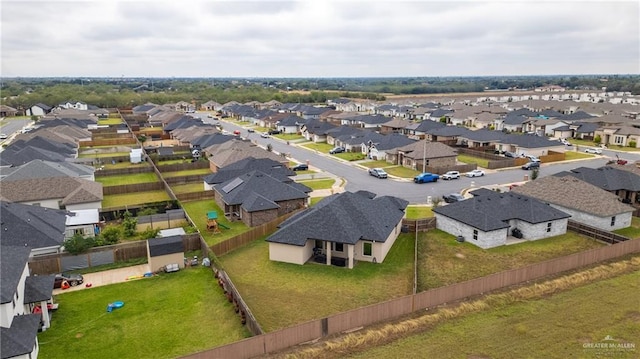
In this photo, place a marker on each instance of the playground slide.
(223, 226)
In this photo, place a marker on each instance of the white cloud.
(318, 38)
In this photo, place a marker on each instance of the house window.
(548, 227)
(613, 221)
(367, 249)
(618, 140)
(338, 247)
(475, 234)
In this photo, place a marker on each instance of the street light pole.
(424, 156)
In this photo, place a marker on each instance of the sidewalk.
(111, 276)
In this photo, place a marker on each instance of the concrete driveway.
(111, 276)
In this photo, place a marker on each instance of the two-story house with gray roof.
(489, 218)
(349, 226)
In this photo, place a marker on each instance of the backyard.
(135, 178)
(137, 198)
(443, 261)
(197, 211)
(164, 316)
(481, 162)
(282, 294)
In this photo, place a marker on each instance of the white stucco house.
(341, 229)
(489, 218)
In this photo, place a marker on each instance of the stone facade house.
(423, 153)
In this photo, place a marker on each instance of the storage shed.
(164, 251)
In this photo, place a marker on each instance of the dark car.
(453, 197)
(251, 130)
(72, 279)
(336, 150)
(378, 172)
(530, 165)
(301, 167)
(426, 177)
(273, 132)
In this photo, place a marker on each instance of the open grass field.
(165, 316)
(318, 184)
(558, 318)
(282, 294)
(129, 199)
(135, 178)
(197, 211)
(198, 171)
(443, 261)
(481, 162)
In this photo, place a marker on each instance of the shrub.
(129, 224)
(78, 244)
(632, 144)
(149, 233)
(597, 139)
(111, 235)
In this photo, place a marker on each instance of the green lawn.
(109, 165)
(172, 162)
(319, 146)
(109, 122)
(165, 316)
(318, 184)
(102, 155)
(556, 326)
(129, 199)
(315, 200)
(444, 261)
(314, 290)
(632, 232)
(188, 188)
(481, 162)
(402, 172)
(289, 136)
(573, 155)
(198, 171)
(135, 178)
(376, 164)
(197, 211)
(351, 156)
(416, 212)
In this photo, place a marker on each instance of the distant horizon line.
(316, 77)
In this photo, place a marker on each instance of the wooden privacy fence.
(109, 142)
(183, 166)
(595, 233)
(132, 188)
(247, 237)
(396, 308)
(234, 296)
(422, 224)
(460, 168)
(194, 196)
(185, 179)
(141, 168)
(52, 263)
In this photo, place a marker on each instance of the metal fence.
(399, 307)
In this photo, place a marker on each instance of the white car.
(264, 135)
(595, 151)
(475, 173)
(3, 136)
(450, 175)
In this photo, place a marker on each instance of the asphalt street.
(357, 177)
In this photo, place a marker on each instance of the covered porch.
(333, 253)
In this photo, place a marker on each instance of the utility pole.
(424, 156)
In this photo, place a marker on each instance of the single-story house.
(585, 202)
(489, 218)
(421, 154)
(348, 226)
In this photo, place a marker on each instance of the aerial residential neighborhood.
(204, 184)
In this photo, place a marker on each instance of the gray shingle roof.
(44, 169)
(12, 262)
(570, 192)
(272, 168)
(606, 177)
(36, 227)
(38, 288)
(20, 338)
(343, 218)
(68, 189)
(489, 211)
(165, 245)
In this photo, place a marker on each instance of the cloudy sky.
(318, 38)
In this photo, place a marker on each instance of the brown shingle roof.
(573, 193)
(67, 189)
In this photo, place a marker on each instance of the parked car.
(453, 197)
(251, 130)
(511, 154)
(236, 132)
(451, 175)
(595, 151)
(530, 165)
(336, 150)
(565, 142)
(378, 172)
(532, 158)
(264, 135)
(475, 173)
(301, 167)
(274, 132)
(3, 136)
(72, 279)
(426, 177)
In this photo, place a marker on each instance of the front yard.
(402, 172)
(164, 316)
(318, 184)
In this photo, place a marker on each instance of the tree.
(78, 244)
(535, 172)
(129, 223)
(436, 202)
(269, 147)
(111, 235)
(597, 139)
